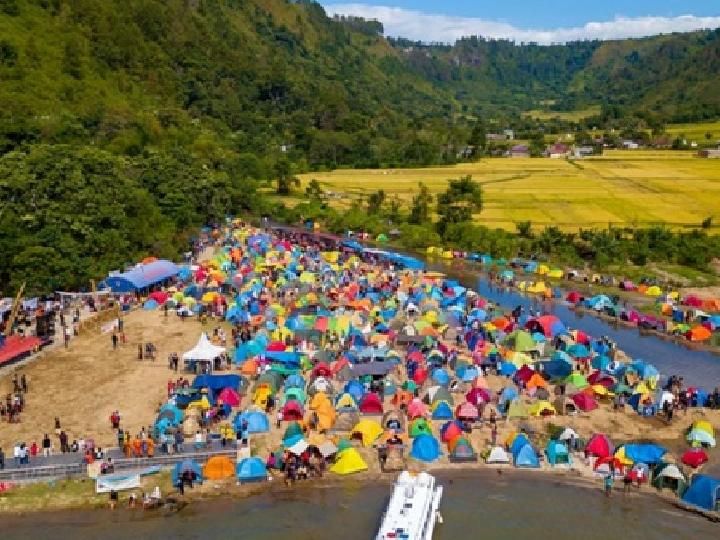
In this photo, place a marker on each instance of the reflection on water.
(475, 505)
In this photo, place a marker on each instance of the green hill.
(126, 123)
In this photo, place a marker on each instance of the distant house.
(630, 145)
(710, 153)
(557, 151)
(509, 133)
(496, 137)
(519, 150)
(583, 151)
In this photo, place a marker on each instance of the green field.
(696, 132)
(570, 116)
(637, 188)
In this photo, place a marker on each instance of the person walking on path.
(46, 446)
(609, 481)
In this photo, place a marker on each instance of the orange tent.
(402, 397)
(249, 367)
(699, 333)
(536, 381)
(501, 323)
(218, 467)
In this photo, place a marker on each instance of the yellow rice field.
(638, 188)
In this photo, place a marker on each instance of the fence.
(47, 472)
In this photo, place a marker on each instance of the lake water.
(515, 506)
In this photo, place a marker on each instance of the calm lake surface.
(475, 505)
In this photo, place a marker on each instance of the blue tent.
(649, 454)
(526, 457)
(257, 421)
(218, 382)
(150, 304)
(187, 465)
(172, 413)
(355, 389)
(508, 394)
(704, 492)
(441, 377)
(251, 470)
(467, 373)
(142, 276)
(442, 412)
(557, 369)
(520, 441)
(578, 350)
(600, 362)
(425, 448)
(507, 369)
(294, 381)
(557, 452)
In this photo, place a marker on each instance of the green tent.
(578, 380)
(520, 341)
(669, 476)
(295, 393)
(420, 426)
(292, 430)
(382, 237)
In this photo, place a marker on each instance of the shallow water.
(699, 368)
(475, 505)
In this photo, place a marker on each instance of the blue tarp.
(425, 448)
(142, 276)
(217, 382)
(649, 454)
(704, 492)
(287, 358)
(251, 470)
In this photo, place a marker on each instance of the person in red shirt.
(34, 449)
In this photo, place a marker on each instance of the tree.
(375, 201)
(314, 191)
(285, 178)
(478, 138)
(524, 229)
(420, 211)
(457, 204)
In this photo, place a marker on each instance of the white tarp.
(204, 350)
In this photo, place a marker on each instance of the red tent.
(292, 411)
(598, 377)
(585, 402)
(694, 458)
(230, 397)
(573, 297)
(417, 356)
(692, 301)
(524, 374)
(599, 445)
(159, 296)
(582, 337)
(466, 411)
(416, 408)
(421, 375)
(452, 431)
(322, 370)
(276, 346)
(478, 395)
(371, 404)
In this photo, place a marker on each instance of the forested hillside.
(126, 123)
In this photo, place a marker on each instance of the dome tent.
(348, 461)
(251, 470)
(497, 456)
(425, 448)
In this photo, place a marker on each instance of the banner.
(117, 483)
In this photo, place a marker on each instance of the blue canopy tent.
(142, 276)
(218, 382)
(251, 470)
(649, 454)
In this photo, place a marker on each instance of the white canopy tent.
(204, 350)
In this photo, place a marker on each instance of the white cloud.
(422, 26)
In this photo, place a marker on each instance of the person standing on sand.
(609, 481)
(114, 341)
(24, 383)
(46, 450)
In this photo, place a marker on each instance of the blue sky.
(533, 20)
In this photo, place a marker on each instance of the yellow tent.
(201, 403)
(209, 296)
(541, 407)
(520, 359)
(555, 273)
(704, 425)
(510, 439)
(319, 400)
(447, 254)
(349, 461)
(621, 457)
(369, 430)
(260, 396)
(307, 277)
(537, 288)
(653, 291)
(600, 390)
(326, 416)
(542, 269)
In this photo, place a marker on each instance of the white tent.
(567, 434)
(498, 455)
(204, 350)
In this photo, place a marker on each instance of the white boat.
(412, 511)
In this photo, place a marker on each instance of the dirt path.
(83, 384)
